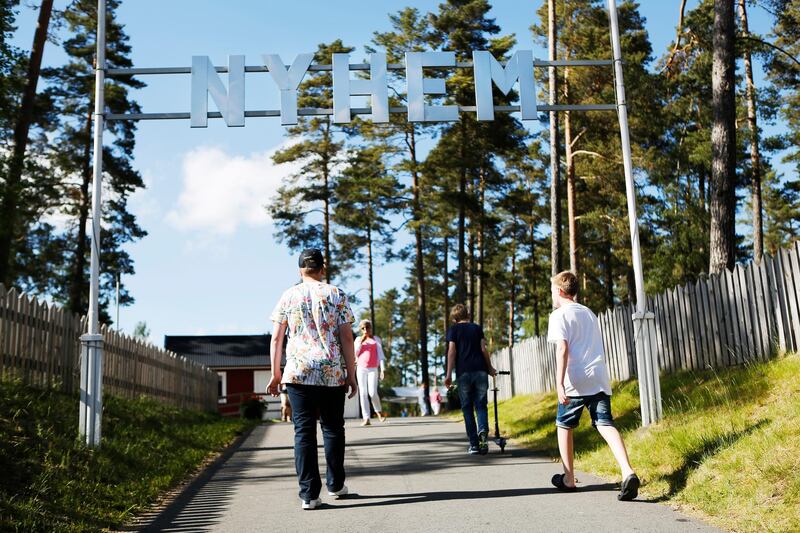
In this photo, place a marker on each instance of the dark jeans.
(472, 388)
(308, 403)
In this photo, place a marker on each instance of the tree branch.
(668, 64)
(587, 152)
(773, 46)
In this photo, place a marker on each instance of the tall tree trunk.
(420, 268)
(555, 168)
(446, 283)
(571, 222)
(461, 281)
(701, 189)
(78, 285)
(472, 269)
(755, 154)
(371, 280)
(327, 201)
(608, 271)
(481, 245)
(513, 295)
(534, 277)
(10, 200)
(722, 242)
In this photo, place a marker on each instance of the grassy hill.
(51, 482)
(728, 448)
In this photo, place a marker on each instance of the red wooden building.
(241, 361)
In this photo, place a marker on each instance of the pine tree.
(296, 208)
(367, 195)
(722, 192)
(410, 33)
(754, 135)
(12, 190)
(595, 153)
(71, 88)
(782, 194)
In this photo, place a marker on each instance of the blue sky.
(210, 264)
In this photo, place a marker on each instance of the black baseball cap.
(311, 258)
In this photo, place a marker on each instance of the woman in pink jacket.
(370, 361)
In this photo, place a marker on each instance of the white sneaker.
(339, 493)
(311, 504)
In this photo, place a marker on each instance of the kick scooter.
(500, 441)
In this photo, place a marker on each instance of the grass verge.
(728, 447)
(51, 482)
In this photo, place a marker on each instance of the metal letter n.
(205, 81)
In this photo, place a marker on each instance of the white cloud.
(221, 192)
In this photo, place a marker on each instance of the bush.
(253, 408)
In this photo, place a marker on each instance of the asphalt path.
(409, 475)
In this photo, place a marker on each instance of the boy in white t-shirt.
(582, 381)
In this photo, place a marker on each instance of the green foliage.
(303, 206)
(728, 447)
(24, 198)
(11, 73)
(71, 89)
(52, 482)
(141, 331)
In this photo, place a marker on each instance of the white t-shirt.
(586, 366)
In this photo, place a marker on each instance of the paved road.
(409, 475)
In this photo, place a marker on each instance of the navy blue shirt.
(469, 356)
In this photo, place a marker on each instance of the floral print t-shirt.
(314, 311)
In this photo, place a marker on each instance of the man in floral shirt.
(320, 370)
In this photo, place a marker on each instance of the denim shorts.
(599, 406)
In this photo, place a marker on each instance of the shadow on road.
(202, 503)
(419, 497)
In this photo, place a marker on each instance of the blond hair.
(459, 312)
(365, 322)
(567, 282)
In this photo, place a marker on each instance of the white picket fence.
(723, 320)
(40, 344)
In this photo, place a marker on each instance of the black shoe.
(558, 482)
(629, 489)
(483, 443)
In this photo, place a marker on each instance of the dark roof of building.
(222, 351)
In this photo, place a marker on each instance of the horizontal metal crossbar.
(311, 111)
(353, 66)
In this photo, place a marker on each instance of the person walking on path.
(582, 381)
(370, 369)
(467, 355)
(436, 398)
(320, 368)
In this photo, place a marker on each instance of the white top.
(587, 373)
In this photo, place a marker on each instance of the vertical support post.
(644, 323)
(91, 407)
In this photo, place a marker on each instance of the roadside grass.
(728, 447)
(49, 481)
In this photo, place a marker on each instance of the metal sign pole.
(91, 407)
(644, 321)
